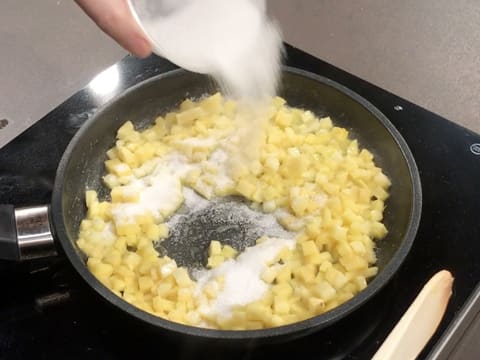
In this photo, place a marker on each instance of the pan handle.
(25, 233)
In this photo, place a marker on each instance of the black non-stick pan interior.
(82, 165)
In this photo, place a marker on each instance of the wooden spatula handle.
(419, 322)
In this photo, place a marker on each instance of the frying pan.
(25, 231)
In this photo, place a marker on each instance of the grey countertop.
(425, 51)
(49, 50)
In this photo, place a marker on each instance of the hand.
(115, 19)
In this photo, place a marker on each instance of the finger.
(115, 19)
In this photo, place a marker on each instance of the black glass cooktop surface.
(48, 312)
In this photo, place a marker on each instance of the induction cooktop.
(48, 312)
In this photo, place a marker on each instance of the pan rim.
(309, 325)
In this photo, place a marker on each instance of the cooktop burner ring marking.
(475, 148)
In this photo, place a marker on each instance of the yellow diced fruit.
(358, 247)
(246, 188)
(184, 295)
(376, 215)
(269, 206)
(371, 271)
(130, 231)
(378, 230)
(236, 322)
(294, 166)
(366, 155)
(325, 123)
(156, 232)
(324, 266)
(344, 248)
(116, 194)
(164, 289)
(215, 248)
(116, 167)
(91, 197)
(214, 261)
(315, 305)
(131, 146)
(124, 194)
(187, 117)
(101, 270)
(309, 248)
(336, 278)
(125, 273)
(187, 104)
(269, 274)
(164, 232)
(254, 325)
(339, 233)
(120, 244)
(278, 101)
(127, 156)
(225, 190)
(284, 274)
(131, 260)
(277, 320)
(324, 291)
(360, 282)
(255, 311)
(272, 163)
(306, 273)
(314, 259)
(126, 129)
(130, 297)
(285, 254)
(299, 206)
(283, 118)
(113, 257)
(145, 283)
(192, 318)
(353, 262)
(93, 211)
(211, 289)
(167, 268)
(212, 104)
(282, 289)
(161, 127)
(229, 107)
(229, 252)
(292, 223)
(162, 305)
(200, 155)
(144, 219)
(112, 153)
(192, 177)
(313, 227)
(117, 283)
(181, 277)
(145, 152)
(110, 180)
(148, 253)
(281, 306)
(380, 193)
(124, 180)
(150, 135)
(337, 207)
(378, 205)
(382, 180)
